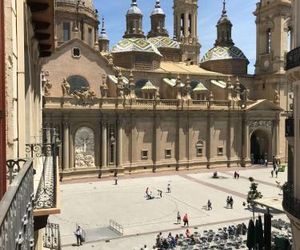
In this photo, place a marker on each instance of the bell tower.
(273, 30)
(158, 22)
(185, 29)
(134, 21)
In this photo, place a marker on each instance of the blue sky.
(240, 13)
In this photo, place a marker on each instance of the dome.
(87, 3)
(135, 45)
(157, 10)
(134, 9)
(164, 42)
(223, 53)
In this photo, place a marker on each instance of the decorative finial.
(157, 5)
(224, 8)
(103, 31)
(133, 3)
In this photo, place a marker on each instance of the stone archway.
(84, 148)
(261, 146)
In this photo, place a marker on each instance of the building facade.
(291, 190)
(150, 104)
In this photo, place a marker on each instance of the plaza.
(91, 204)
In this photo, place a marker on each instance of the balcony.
(16, 208)
(290, 203)
(293, 59)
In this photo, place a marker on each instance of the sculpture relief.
(256, 124)
(84, 148)
(65, 87)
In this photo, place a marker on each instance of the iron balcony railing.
(51, 238)
(16, 209)
(290, 203)
(293, 59)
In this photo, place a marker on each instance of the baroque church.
(151, 103)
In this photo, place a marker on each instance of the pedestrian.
(116, 180)
(79, 236)
(159, 193)
(178, 218)
(274, 163)
(266, 163)
(185, 220)
(234, 175)
(145, 247)
(272, 173)
(209, 205)
(169, 188)
(276, 172)
(187, 233)
(227, 201)
(231, 202)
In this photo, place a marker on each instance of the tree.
(253, 194)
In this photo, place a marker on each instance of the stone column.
(229, 135)
(133, 140)
(104, 144)
(119, 142)
(71, 150)
(210, 129)
(66, 154)
(182, 140)
(245, 154)
(156, 141)
(276, 137)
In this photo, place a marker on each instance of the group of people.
(185, 219)
(229, 202)
(149, 195)
(166, 243)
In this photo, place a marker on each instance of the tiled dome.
(164, 42)
(135, 45)
(223, 53)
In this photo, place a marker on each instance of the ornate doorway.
(260, 146)
(84, 148)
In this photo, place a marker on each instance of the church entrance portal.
(260, 147)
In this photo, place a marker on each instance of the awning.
(172, 82)
(219, 83)
(114, 79)
(271, 202)
(200, 87)
(149, 86)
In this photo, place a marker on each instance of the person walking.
(178, 218)
(231, 202)
(169, 188)
(209, 205)
(79, 236)
(116, 180)
(227, 201)
(266, 163)
(185, 220)
(159, 193)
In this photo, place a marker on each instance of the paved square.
(92, 204)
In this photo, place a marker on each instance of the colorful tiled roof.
(223, 53)
(135, 44)
(164, 42)
(148, 86)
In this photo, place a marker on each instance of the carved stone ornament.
(65, 87)
(47, 87)
(260, 124)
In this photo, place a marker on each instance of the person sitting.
(187, 233)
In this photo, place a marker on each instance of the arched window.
(268, 41)
(199, 148)
(289, 38)
(77, 83)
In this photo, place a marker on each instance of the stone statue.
(276, 97)
(65, 87)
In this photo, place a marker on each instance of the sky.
(240, 12)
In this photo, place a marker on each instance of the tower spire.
(103, 30)
(158, 22)
(134, 3)
(134, 21)
(224, 11)
(157, 5)
(103, 40)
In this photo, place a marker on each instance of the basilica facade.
(151, 103)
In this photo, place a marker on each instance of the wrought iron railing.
(290, 203)
(16, 211)
(51, 237)
(13, 168)
(293, 59)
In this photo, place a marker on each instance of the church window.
(199, 148)
(76, 52)
(268, 41)
(90, 36)
(289, 39)
(182, 25)
(77, 83)
(220, 151)
(144, 154)
(66, 31)
(190, 23)
(168, 153)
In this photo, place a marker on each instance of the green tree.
(253, 194)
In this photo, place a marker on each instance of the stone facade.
(170, 115)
